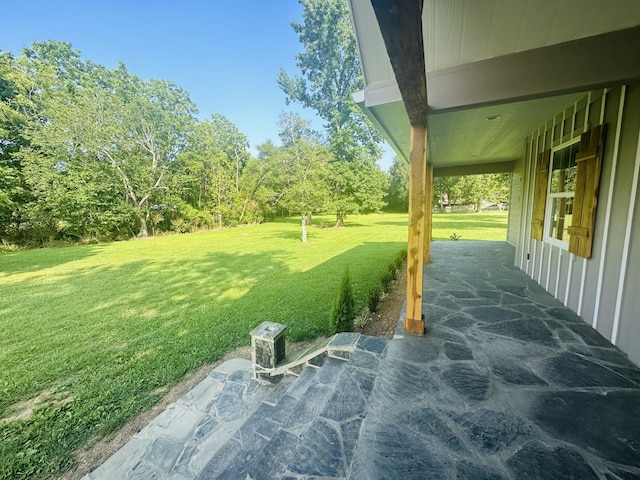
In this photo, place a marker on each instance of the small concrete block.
(268, 344)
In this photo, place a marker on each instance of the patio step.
(313, 427)
(179, 442)
(233, 426)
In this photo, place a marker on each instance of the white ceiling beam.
(474, 169)
(382, 92)
(579, 65)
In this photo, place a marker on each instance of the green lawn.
(470, 226)
(93, 335)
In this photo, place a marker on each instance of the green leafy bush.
(373, 297)
(392, 269)
(401, 257)
(344, 308)
(362, 319)
(386, 279)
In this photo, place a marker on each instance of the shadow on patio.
(506, 384)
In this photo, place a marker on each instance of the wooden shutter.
(589, 160)
(540, 194)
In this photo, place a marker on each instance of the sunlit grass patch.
(114, 325)
(94, 334)
(470, 226)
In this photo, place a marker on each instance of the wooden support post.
(428, 210)
(413, 321)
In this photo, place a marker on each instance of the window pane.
(562, 210)
(564, 169)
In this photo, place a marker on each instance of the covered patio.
(506, 384)
(464, 87)
(491, 374)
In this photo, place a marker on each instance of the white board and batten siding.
(515, 207)
(605, 289)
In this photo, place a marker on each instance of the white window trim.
(547, 211)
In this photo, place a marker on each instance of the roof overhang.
(518, 63)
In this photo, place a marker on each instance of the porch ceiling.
(523, 60)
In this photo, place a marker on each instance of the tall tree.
(254, 191)
(233, 143)
(331, 73)
(43, 72)
(305, 161)
(13, 190)
(298, 170)
(99, 116)
(398, 191)
(211, 169)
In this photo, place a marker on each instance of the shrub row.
(344, 313)
(388, 276)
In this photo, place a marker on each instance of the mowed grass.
(470, 226)
(93, 335)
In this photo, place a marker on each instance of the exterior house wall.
(515, 204)
(602, 289)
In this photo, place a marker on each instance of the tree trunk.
(304, 228)
(144, 232)
(339, 219)
(244, 208)
(220, 223)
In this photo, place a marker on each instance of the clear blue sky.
(225, 53)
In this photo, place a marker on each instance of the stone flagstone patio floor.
(506, 384)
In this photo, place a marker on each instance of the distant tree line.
(90, 152)
(472, 190)
(458, 190)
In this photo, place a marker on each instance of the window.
(565, 196)
(561, 192)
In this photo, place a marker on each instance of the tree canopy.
(89, 152)
(330, 74)
(461, 190)
(472, 189)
